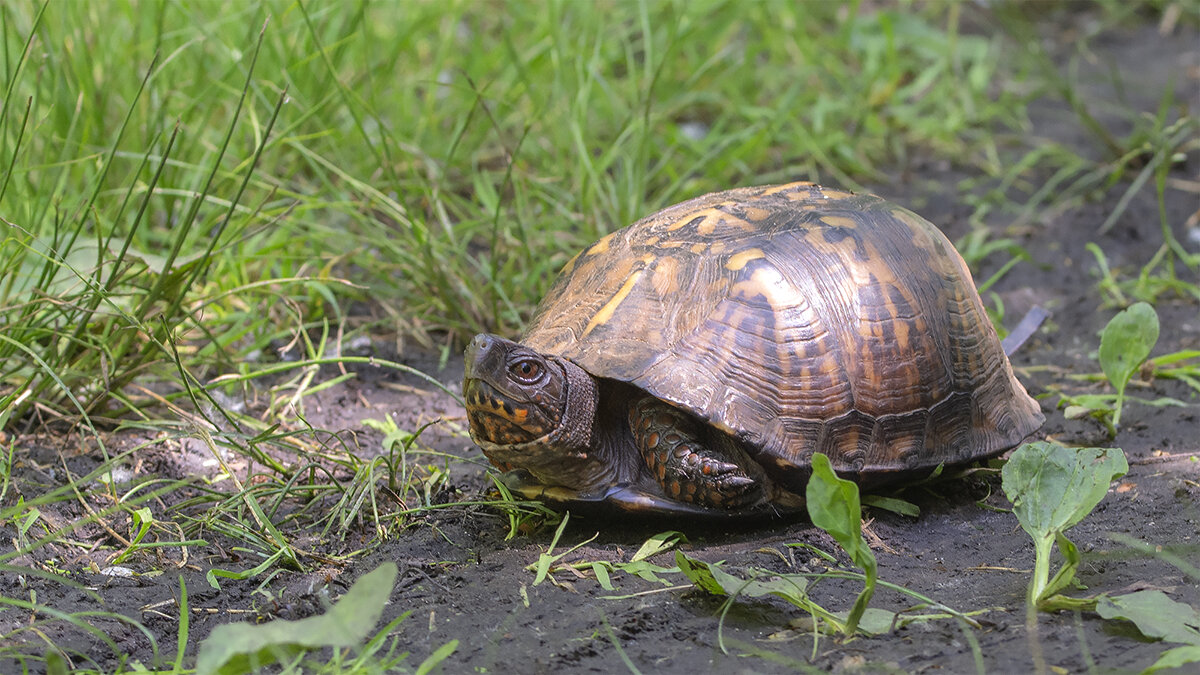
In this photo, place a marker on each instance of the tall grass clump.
(134, 212)
(207, 174)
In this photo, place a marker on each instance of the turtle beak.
(485, 354)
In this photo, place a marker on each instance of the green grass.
(198, 199)
(452, 159)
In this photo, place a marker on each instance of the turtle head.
(513, 394)
(532, 411)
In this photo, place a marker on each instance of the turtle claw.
(738, 482)
(734, 491)
(713, 467)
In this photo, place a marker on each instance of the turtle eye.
(526, 371)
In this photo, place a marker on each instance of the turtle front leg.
(689, 469)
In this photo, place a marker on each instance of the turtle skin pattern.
(797, 319)
(686, 468)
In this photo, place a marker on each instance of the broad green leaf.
(600, 569)
(713, 579)
(236, 647)
(1124, 345)
(1126, 342)
(1154, 614)
(793, 588)
(875, 621)
(1052, 487)
(833, 506)
(1175, 658)
(790, 587)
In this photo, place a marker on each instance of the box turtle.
(693, 362)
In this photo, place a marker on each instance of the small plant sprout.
(639, 564)
(1124, 345)
(347, 624)
(833, 506)
(542, 567)
(1052, 488)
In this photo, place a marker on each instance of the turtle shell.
(798, 319)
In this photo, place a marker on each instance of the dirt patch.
(461, 579)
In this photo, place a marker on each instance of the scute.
(799, 319)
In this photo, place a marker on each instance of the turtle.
(695, 361)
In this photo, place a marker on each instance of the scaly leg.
(687, 468)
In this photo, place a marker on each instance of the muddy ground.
(463, 581)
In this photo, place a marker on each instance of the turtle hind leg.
(692, 466)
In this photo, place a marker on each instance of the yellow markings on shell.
(789, 187)
(739, 260)
(876, 274)
(840, 221)
(665, 277)
(684, 220)
(901, 335)
(769, 283)
(609, 307)
(699, 248)
(570, 264)
(756, 214)
(601, 246)
(725, 220)
(710, 219)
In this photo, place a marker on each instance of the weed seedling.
(240, 647)
(545, 560)
(1125, 346)
(639, 564)
(834, 507)
(1053, 487)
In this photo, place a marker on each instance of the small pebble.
(117, 571)
(1193, 237)
(695, 131)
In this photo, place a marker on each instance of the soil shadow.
(462, 580)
